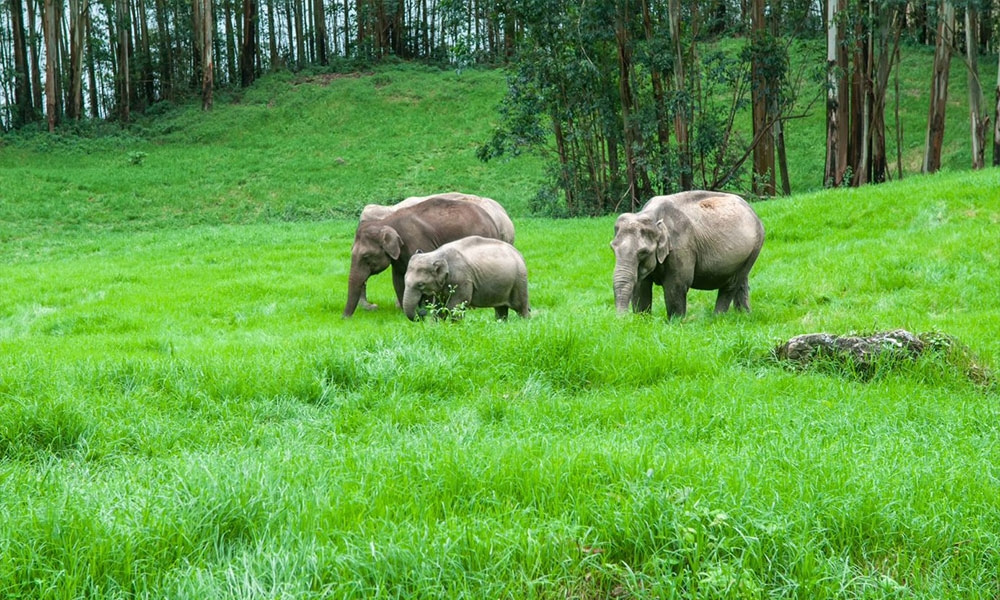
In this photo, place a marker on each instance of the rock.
(864, 353)
(862, 350)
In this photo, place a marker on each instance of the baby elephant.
(480, 271)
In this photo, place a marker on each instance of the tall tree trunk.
(124, 76)
(834, 171)
(662, 117)
(78, 11)
(207, 66)
(91, 72)
(272, 42)
(347, 28)
(625, 93)
(888, 26)
(51, 54)
(760, 91)
(33, 51)
(680, 84)
(147, 56)
(939, 88)
(196, 41)
(230, 42)
(857, 146)
(164, 49)
(300, 41)
(978, 117)
(319, 16)
(249, 51)
(22, 77)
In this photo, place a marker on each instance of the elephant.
(374, 212)
(393, 240)
(696, 239)
(479, 271)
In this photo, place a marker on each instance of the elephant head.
(640, 244)
(375, 247)
(426, 277)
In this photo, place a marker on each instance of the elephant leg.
(642, 302)
(501, 312)
(365, 304)
(742, 301)
(399, 283)
(724, 300)
(675, 297)
(519, 299)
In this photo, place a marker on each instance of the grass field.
(184, 413)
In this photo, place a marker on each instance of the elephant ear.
(391, 242)
(441, 267)
(662, 241)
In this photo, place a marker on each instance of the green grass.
(184, 413)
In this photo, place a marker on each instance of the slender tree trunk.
(857, 146)
(625, 92)
(300, 41)
(680, 83)
(124, 77)
(49, 32)
(33, 51)
(249, 51)
(978, 117)
(662, 117)
(347, 28)
(91, 72)
(207, 66)
(147, 55)
(272, 42)
(760, 90)
(78, 11)
(22, 76)
(319, 16)
(889, 26)
(833, 173)
(164, 49)
(939, 88)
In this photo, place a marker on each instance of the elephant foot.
(368, 305)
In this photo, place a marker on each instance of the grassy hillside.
(184, 413)
(300, 147)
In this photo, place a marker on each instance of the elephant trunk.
(355, 285)
(625, 277)
(411, 298)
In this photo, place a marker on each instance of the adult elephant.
(505, 226)
(697, 239)
(391, 241)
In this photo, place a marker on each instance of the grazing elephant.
(374, 212)
(393, 240)
(698, 239)
(480, 271)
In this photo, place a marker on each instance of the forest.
(632, 97)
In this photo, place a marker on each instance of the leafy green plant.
(136, 157)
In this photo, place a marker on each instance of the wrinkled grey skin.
(375, 212)
(392, 241)
(480, 271)
(697, 239)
